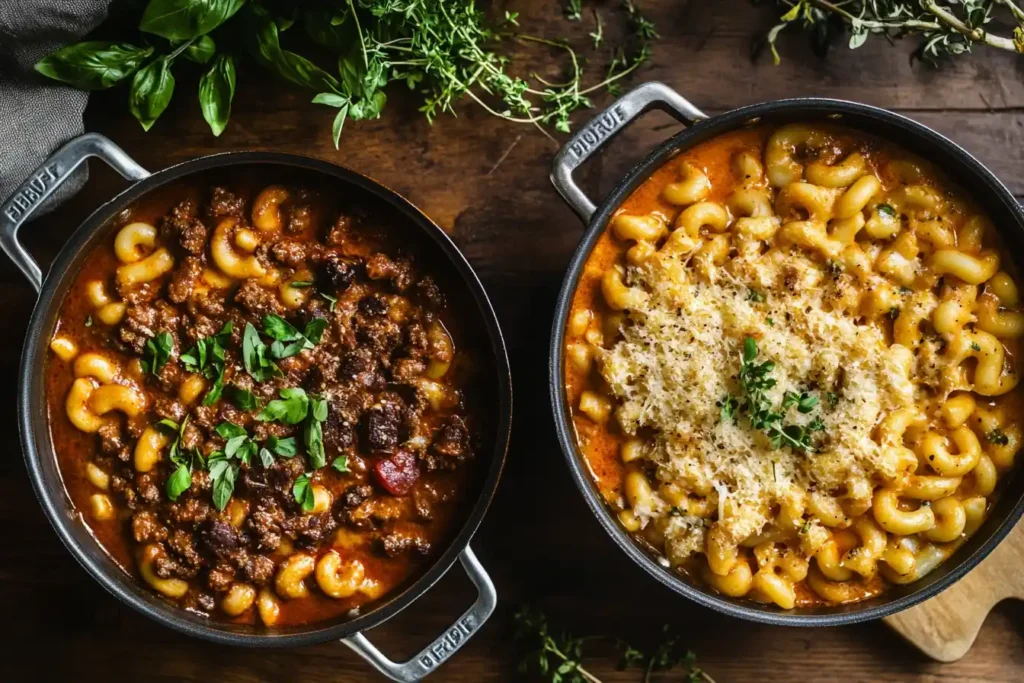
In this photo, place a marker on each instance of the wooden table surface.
(486, 181)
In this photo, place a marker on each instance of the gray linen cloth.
(38, 115)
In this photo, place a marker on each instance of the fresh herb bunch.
(557, 657)
(443, 49)
(946, 27)
(755, 382)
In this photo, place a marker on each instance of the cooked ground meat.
(257, 300)
(223, 202)
(242, 480)
(184, 279)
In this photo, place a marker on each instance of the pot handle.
(606, 125)
(42, 183)
(445, 645)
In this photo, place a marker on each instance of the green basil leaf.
(158, 352)
(313, 435)
(201, 50)
(318, 405)
(184, 19)
(266, 48)
(303, 492)
(223, 482)
(352, 69)
(234, 443)
(179, 481)
(246, 451)
(93, 65)
(216, 90)
(242, 398)
(213, 395)
(291, 408)
(331, 100)
(339, 123)
(254, 355)
(369, 107)
(229, 430)
(300, 284)
(327, 27)
(315, 330)
(266, 457)
(284, 447)
(276, 327)
(190, 359)
(151, 92)
(341, 464)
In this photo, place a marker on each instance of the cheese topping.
(680, 354)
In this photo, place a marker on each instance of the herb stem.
(869, 23)
(359, 32)
(1016, 11)
(976, 34)
(181, 48)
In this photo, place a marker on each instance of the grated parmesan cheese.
(680, 354)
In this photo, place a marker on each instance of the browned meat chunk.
(169, 408)
(338, 234)
(380, 267)
(300, 219)
(339, 271)
(184, 279)
(257, 300)
(405, 369)
(294, 253)
(452, 439)
(383, 421)
(146, 528)
(223, 203)
(137, 327)
(427, 293)
(398, 542)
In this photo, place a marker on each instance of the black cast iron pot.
(42, 464)
(963, 168)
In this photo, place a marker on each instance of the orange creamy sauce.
(600, 443)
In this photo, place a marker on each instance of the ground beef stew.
(261, 401)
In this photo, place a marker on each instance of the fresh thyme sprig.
(946, 27)
(755, 382)
(557, 657)
(445, 50)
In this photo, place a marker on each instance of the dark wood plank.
(485, 181)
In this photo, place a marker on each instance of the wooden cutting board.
(944, 627)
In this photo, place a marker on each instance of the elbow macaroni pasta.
(903, 265)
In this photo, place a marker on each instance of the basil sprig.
(94, 64)
(207, 357)
(184, 460)
(158, 351)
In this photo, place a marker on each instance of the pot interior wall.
(961, 169)
(460, 284)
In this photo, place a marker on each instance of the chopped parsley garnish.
(893, 313)
(997, 437)
(207, 357)
(887, 209)
(238, 443)
(975, 346)
(341, 464)
(771, 323)
(834, 268)
(286, 448)
(755, 296)
(755, 381)
(303, 492)
(158, 351)
(832, 398)
(254, 356)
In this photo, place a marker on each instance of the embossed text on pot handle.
(445, 645)
(42, 183)
(606, 125)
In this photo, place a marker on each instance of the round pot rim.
(64, 518)
(959, 563)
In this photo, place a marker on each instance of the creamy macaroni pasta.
(791, 361)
